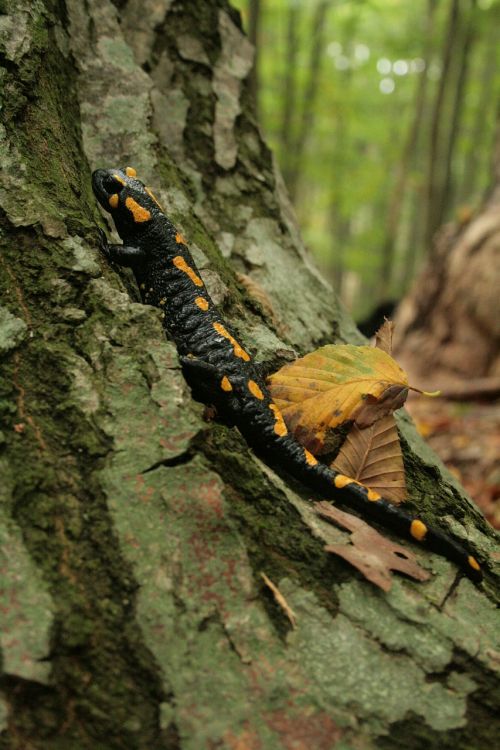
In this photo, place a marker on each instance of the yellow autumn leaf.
(335, 384)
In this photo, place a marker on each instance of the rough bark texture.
(133, 611)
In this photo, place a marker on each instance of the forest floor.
(466, 436)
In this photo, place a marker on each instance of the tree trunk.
(289, 86)
(133, 611)
(451, 334)
(398, 193)
(253, 34)
(306, 122)
(436, 157)
(468, 187)
(459, 93)
(339, 223)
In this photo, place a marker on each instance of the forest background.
(384, 119)
(382, 115)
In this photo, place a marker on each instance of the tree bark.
(133, 611)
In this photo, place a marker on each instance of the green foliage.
(371, 63)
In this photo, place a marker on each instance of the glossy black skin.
(207, 357)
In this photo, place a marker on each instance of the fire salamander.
(216, 365)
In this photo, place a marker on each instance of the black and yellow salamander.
(219, 369)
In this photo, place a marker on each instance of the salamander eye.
(112, 185)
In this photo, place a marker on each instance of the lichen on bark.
(137, 532)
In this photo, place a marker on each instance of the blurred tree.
(451, 334)
(290, 80)
(398, 193)
(435, 160)
(253, 35)
(467, 185)
(462, 63)
(307, 107)
(383, 126)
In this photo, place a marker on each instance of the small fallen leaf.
(333, 384)
(373, 457)
(371, 553)
(280, 600)
(383, 337)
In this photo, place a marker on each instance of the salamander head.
(130, 203)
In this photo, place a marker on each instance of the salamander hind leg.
(210, 386)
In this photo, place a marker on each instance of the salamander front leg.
(122, 255)
(198, 370)
(201, 378)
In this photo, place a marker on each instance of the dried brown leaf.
(373, 408)
(280, 600)
(383, 337)
(373, 457)
(371, 553)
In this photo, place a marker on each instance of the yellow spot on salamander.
(473, 563)
(130, 172)
(142, 286)
(202, 303)
(225, 384)
(254, 389)
(181, 264)
(238, 349)
(180, 239)
(114, 200)
(153, 197)
(342, 481)
(311, 460)
(279, 426)
(163, 301)
(139, 213)
(119, 179)
(418, 530)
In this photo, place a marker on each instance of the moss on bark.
(134, 614)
